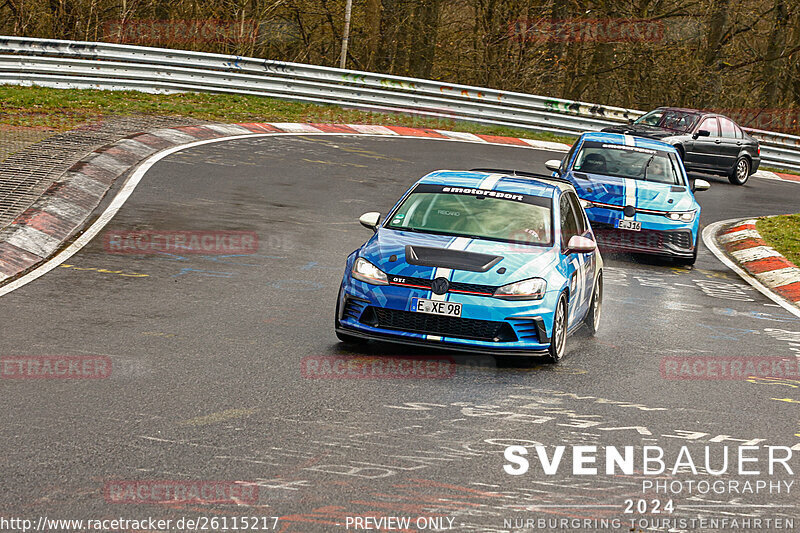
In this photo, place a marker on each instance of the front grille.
(454, 285)
(353, 307)
(646, 239)
(445, 326)
(681, 239)
(527, 329)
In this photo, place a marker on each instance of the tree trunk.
(775, 47)
(425, 27)
(373, 33)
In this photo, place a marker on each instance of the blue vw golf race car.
(486, 261)
(636, 193)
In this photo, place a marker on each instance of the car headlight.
(367, 272)
(527, 289)
(683, 216)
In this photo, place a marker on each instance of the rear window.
(727, 128)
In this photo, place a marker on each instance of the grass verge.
(783, 234)
(66, 109)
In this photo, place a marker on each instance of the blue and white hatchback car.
(636, 194)
(486, 261)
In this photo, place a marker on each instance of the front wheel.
(558, 340)
(592, 319)
(689, 261)
(740, 172)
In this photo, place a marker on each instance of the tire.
(740, 172)
(558, 340)
(344, 337)
(592, 319)
(689, 261)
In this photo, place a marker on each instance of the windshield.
(628, 162)
(669, 119)
(476, 213)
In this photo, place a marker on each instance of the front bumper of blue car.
(486, 324)
(659, 235)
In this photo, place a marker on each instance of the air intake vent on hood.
(455, 259)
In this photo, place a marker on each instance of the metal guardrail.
(73, 64)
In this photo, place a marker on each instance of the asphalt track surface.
(207, 350)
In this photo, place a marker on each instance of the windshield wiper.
(647, 165)
(435, 232)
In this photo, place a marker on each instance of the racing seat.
(594, 164)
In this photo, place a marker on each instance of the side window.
(739, 133)
(568, 157)
(727, 128)
(569, 224)
(710, 124)
(580, 217)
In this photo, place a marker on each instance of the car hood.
(441, 251)
(649, 194)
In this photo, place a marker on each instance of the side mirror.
(553, 164)
(630, 121)
(581, 245)
(700, 185)
(701, 133)
(370, 220)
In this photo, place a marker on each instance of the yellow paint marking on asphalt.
(106, 271)
(215, 418)
(713, 274)
(335, 163)
(786, 382)
(354, 150)
(787, 400)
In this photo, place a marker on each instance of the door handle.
(717, 141)
(738, 143)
